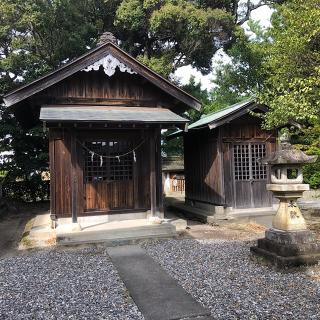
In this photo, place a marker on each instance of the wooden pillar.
(221, 167)
(153, 186)
(74, 182)
(159, 173)
(53, 214)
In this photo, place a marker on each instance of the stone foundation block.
(287, 249)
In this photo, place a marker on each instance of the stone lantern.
(288, 242)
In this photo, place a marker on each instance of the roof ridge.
(226, 108)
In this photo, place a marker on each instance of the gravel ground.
(221, 275)
(63, 284)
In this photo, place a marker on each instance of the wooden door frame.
(102, 135)
(234, 202)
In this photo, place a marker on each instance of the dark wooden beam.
(74, 182)
(153, 186)
(53, 195)
(159, 171)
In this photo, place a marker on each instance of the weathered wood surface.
(103, 196)
(209, 164)
(89, 58)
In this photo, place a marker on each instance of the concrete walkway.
(157, 295)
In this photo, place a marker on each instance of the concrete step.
(117, 236)
(193, 213)
(41, 228)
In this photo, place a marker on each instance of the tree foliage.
(37, 36)
(293, 65)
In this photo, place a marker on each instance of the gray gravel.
(221, 275)
(58, 284)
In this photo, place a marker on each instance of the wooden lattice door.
(108, 179)
(250, 177)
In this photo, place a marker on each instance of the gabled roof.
(217, 118)
(88, 59)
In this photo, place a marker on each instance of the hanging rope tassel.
(134, 156)
(101, 161)
(118, 158)
(92, 155)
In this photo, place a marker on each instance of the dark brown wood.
(74, 190)
(89, 58)
(210, 164)
(159, 171)
(52, 175)
(74, 177)
(99, 197)
(153, 186)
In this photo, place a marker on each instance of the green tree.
(244, 76)
(292, 84)
(167, 34)
(37, 36)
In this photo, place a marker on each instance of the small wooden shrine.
(104, 112)
(221, 152)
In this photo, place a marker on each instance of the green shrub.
(311, 174)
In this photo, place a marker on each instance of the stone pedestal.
(288, 248)
(288, 216)
(289, 243)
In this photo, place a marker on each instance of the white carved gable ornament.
(109, 63)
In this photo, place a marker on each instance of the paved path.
(157, 295)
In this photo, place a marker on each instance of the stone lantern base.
(288, 248)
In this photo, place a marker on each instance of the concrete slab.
(157, 295)
(115, 233)
(41, 228)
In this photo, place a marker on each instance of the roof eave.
(85, 60)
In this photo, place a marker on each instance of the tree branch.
(251, 6)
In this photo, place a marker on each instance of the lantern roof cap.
(287, 154)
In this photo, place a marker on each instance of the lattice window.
(259, 171)
(241, 153)
(110, 169)
(246, 166)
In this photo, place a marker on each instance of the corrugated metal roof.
(218, 115)
(95, 113)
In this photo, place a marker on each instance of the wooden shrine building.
(104, 112)
(173, 176)
(221, 153)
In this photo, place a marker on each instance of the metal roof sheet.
(65, 113)
(218, 115)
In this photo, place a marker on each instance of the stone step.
(117, 236)
(193, 212)
(41, 228)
